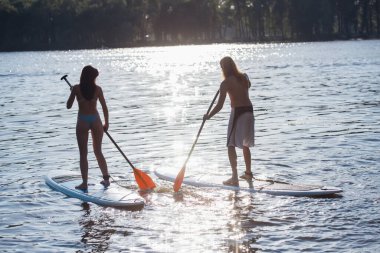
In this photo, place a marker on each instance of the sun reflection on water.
(157, 97)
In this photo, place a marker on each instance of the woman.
(87, 94)
(241, 127)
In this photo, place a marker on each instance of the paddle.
(179, 179)
(143, 180)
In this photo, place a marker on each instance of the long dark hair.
(229, 68)
(87, 82)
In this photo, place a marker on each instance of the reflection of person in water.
(241, 127)
(96, 230)
(87, 94)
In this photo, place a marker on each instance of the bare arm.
(222, 98)
(71, 98)
(249, 81)
(105, 108)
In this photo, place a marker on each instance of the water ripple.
(317, 115)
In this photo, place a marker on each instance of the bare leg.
(82, 139)
(247, 159)
(233, 162)
(97, 137)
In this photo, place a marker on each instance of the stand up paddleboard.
(113, 196)
(257, 185)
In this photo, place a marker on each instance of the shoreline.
(169, 44)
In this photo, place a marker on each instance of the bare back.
(87, 106)
(237, 91)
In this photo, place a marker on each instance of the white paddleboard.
(114, 195)
(262, 186)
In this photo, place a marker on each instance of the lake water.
(317, 109)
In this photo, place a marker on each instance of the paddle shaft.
(121, 152)
(109, 136)
(200, 129)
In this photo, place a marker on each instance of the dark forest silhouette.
(74, 24)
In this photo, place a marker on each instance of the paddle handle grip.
(65, 78)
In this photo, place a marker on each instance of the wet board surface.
(258, 185)
(113, 196)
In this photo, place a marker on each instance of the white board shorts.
(242, 134)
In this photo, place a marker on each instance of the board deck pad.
(257, 185)
(114, 195)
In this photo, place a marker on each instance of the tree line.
(74, 24)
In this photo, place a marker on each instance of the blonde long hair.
(229, 68)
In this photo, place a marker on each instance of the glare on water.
(317, 112)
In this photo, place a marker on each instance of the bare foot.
(105, 183)
(247, 175)
(231, 182)
(82, 187)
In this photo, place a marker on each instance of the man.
(241, 127)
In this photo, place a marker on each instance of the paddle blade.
(179, 179)
(144, 181)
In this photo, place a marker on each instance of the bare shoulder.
(228, 80)
(76, 88)
(226, 84)
(99, 91)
